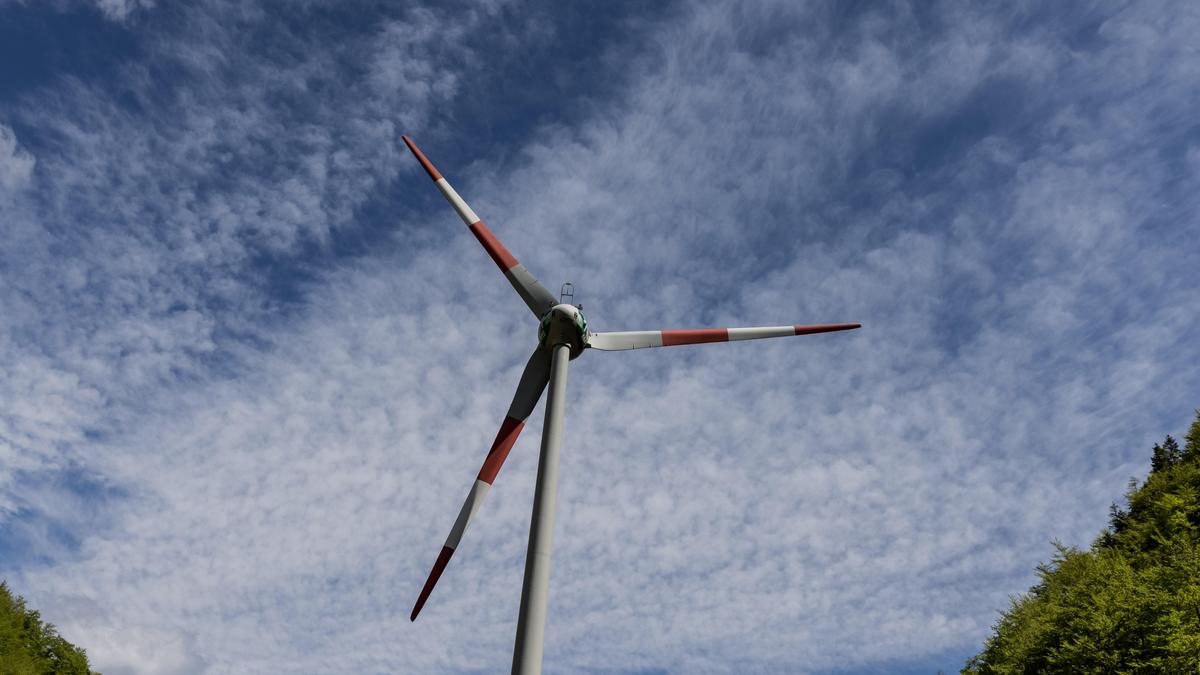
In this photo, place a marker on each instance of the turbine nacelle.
(564, 324)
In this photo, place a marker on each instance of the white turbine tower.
(562, 336)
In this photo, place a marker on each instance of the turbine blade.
(535, 295)
(529, 390)
(640, 339)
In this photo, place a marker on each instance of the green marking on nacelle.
(580, 324)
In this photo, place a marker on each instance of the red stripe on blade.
(429, 168)
(671, 338)
(826, 328)
(492, 245)
(509, 430)
(434, 574)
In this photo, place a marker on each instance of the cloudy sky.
(250, 361)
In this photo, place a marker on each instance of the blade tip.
(417, 607)
(824, 328)
(438, 567)
(425, 163)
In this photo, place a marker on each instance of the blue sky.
(252, 361)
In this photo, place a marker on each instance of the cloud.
(113, 10)
(120, 10)
(16, 164)
(165, 221)
(993, 195)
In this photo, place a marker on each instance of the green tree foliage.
(1159, 459)
(29, 646)
(1131, 604)
(1191, 441)
(1166, 455)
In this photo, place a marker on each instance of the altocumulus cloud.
(233, 441)
(16, 165)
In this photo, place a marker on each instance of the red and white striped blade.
(529, 390)
(535, 295)
(641, 339)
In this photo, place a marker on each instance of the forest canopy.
(1130, 604)
(30, 646)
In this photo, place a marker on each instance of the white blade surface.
(535, 295)
(641, 339)
(529, 390)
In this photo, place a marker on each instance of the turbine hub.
(564, 324)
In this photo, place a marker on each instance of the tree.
(29, 646)
(1191, 441)
(1131, 604)
(1166, 455)
(1158, 459)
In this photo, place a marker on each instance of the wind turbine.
(562, 336)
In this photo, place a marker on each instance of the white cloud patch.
(135, 262)
(833, 501)
(120, 10)
(16, 164)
